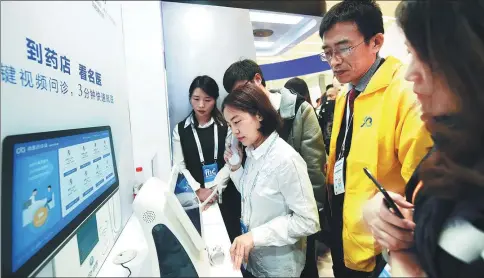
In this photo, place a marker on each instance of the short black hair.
(49, 186)
(366, 14)
(300, 86)
(241, 70)
(35, 190)
(329, 87)
(251, 99)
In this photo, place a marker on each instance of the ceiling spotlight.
(278, 18)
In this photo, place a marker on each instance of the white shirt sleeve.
(223, 176)
(235, 176)
(303, 219)
(179, 160)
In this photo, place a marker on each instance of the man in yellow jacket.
(376, 125)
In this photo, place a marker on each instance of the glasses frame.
(341, 53)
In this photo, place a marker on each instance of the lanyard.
(349, 120)
(245, 197)
(199, 146)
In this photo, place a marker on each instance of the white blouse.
(178, 159)
(278, 206)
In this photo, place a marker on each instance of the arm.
(179, 160)
(235, 177)
(412, 139)
(313, 152)
(223, 175)
(303, 219)
(405, 264)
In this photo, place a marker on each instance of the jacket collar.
(288, 103)
(189, 121)
(383, 76)
(263, 148)
(363, 83)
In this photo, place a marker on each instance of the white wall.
(394, 43)
(89, 33)
(143, 36)
(201, 40)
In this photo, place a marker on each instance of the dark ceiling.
(303, 7)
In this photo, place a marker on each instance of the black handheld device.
(388, 200)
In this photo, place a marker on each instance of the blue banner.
(293, 68)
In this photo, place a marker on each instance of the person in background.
(199, 145)
(376, 125)
(325, 114)
(32, 197)
(278, 210)
(49, 194)
(445, 237)
(318, 105)
(299, 86)
(300, 129)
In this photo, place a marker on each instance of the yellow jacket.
(390, 145)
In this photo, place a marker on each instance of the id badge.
(209, 173)
(339, 184)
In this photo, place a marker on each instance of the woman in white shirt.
(198, 148)
(278, 206)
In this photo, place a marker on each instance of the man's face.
(351, 55)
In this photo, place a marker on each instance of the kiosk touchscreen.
(51, 183)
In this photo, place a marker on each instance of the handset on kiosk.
(235, 159)
(388, 200)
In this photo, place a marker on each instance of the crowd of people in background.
(300, 187)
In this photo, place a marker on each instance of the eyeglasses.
(327, 55)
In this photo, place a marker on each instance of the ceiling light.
(263, 44)
(275, 18)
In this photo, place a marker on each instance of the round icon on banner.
(40, 216)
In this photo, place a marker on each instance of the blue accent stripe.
(99, 182)
(85, 164)
(292, 68)
(96, 160)
(106, 155)
(108, 176)
(70, 172)
(87, 192)
(72, 203)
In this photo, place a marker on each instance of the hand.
(204, 193)
(228, 155)
(388, 229)
(241, 248)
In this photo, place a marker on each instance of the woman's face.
(431, 89)
(244, 125)
(202, 103)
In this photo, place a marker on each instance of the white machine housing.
(155, 204)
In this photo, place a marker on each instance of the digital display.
(54, 180)
(189, 201)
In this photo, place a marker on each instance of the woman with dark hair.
(299, 86)
(445, 236)
(198, 148)
(278, 206)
